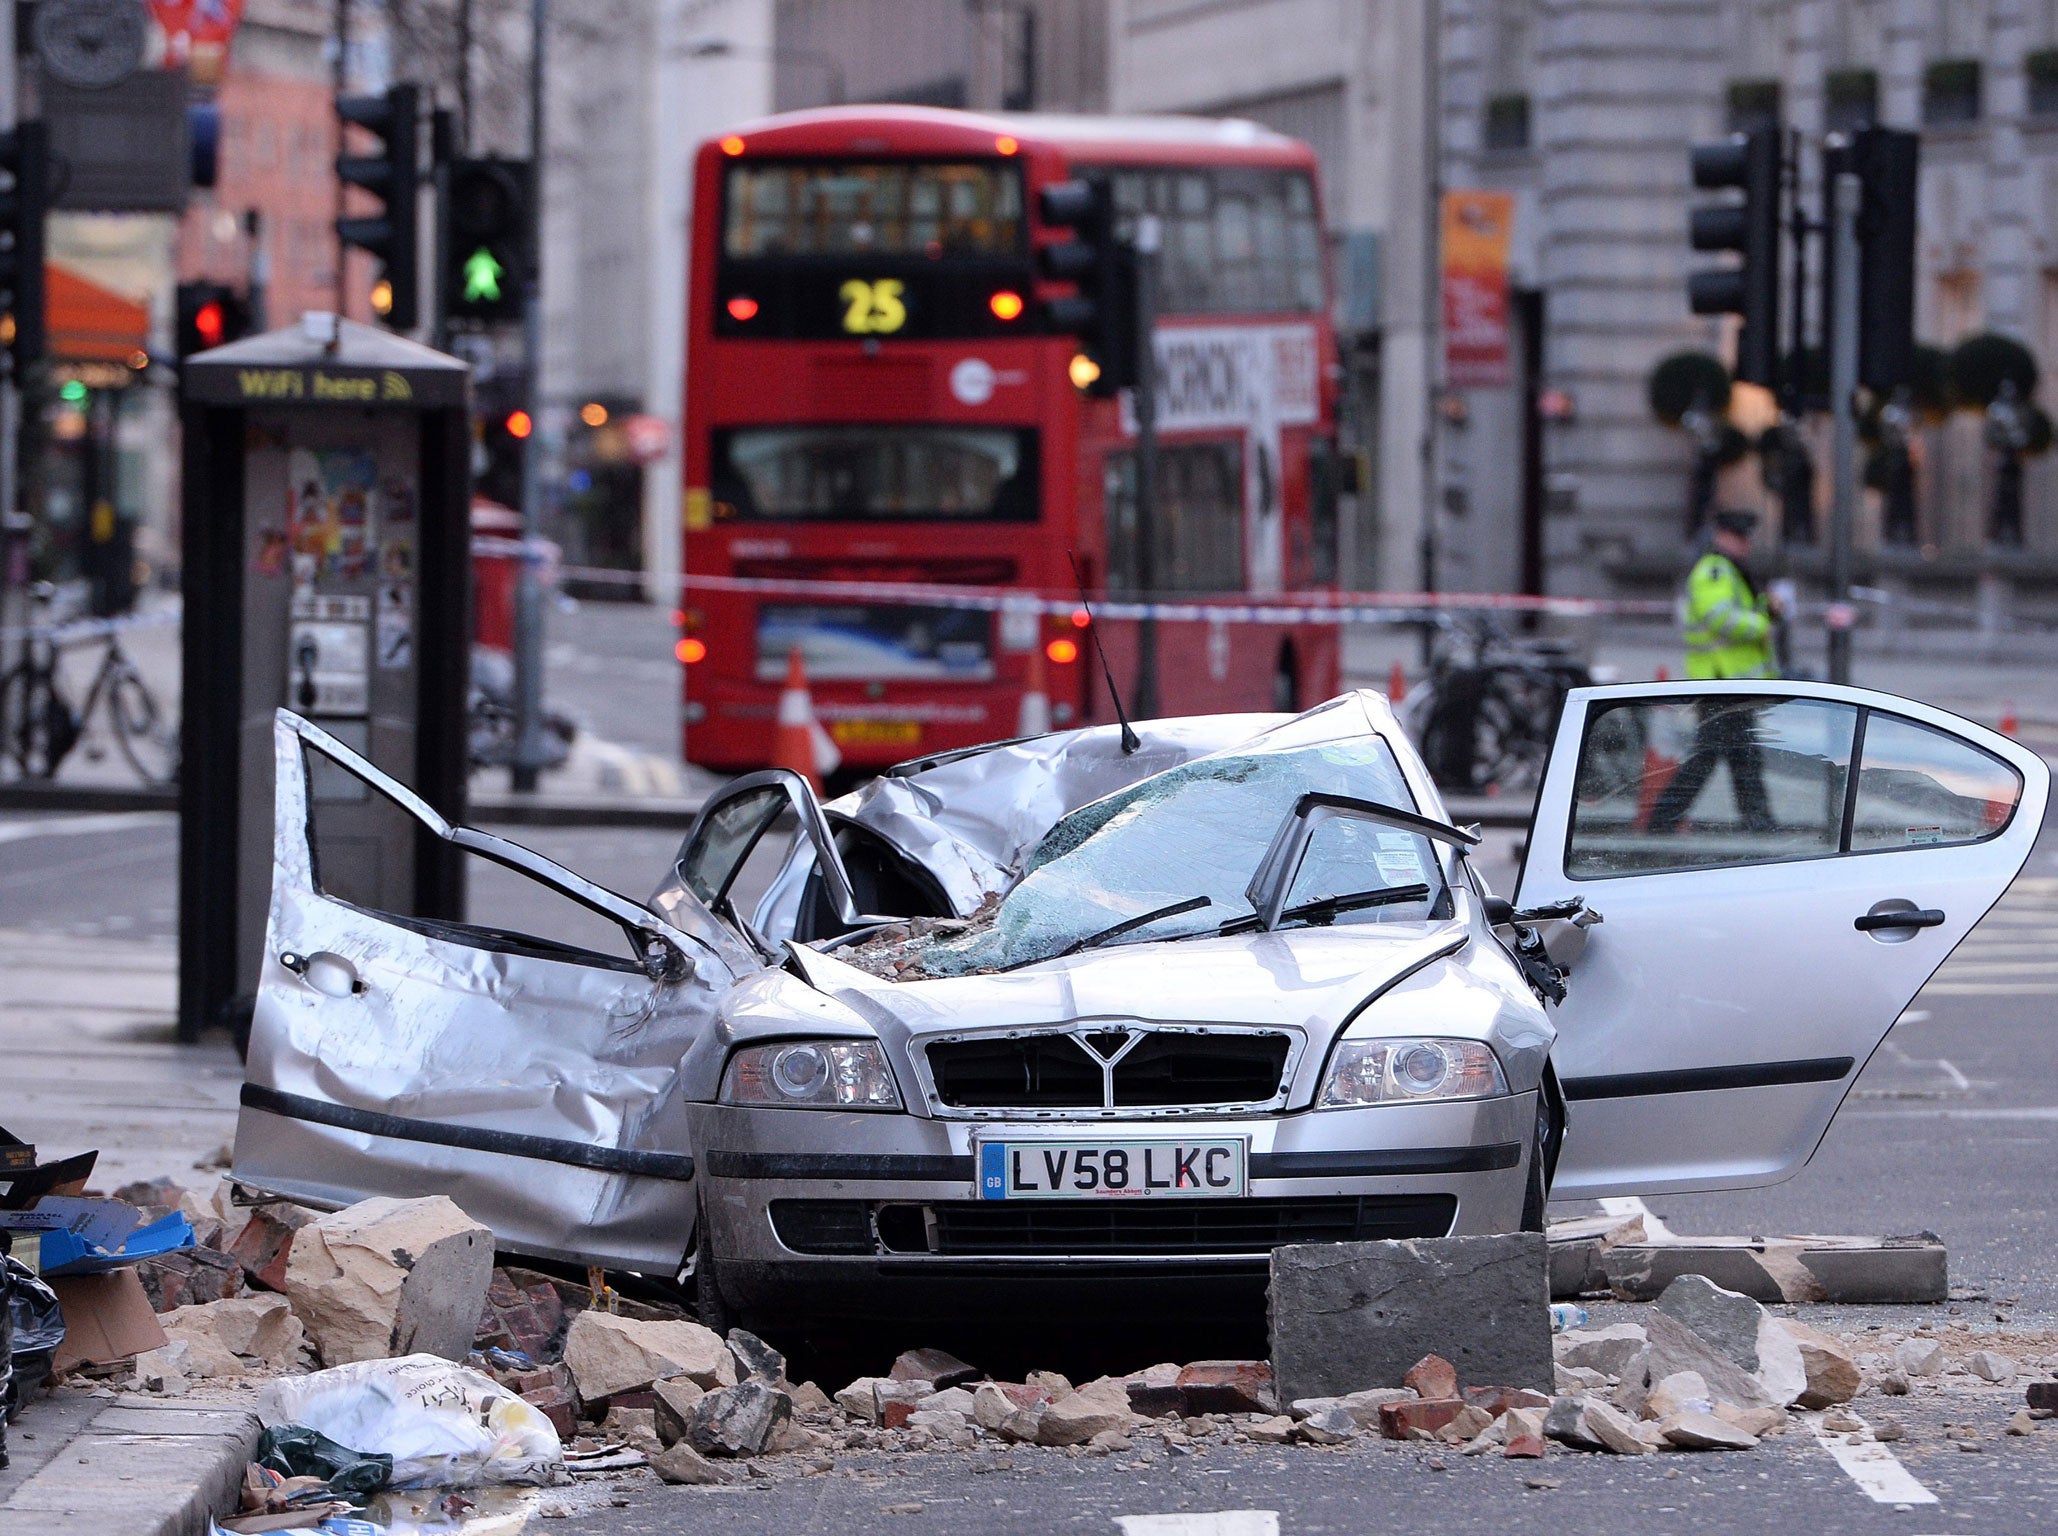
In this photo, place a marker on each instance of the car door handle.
(1906, 917)
(331, 975)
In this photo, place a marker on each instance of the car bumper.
(833, 1214)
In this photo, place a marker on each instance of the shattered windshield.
(1198, 830)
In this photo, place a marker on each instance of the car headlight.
(1409, 1072)
(812, 1074)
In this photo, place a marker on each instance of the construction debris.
(1610, 1256)
(391, 1277)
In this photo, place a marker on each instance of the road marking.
(2041, 1112)
(1875, 1469)
(79, 825)
(1224, 1522)
(1626, 1206)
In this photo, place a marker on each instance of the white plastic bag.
(443, 1425)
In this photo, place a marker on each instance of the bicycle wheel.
(38, 726)
(146, 737)
(1508, 740)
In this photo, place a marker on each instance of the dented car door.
(533, 1080)
(1779, 868)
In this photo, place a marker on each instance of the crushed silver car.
(1115, 1006)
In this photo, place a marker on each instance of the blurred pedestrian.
(1730, 634)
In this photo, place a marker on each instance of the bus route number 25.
(873, 309)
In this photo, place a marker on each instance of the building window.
(1753, 104)
(1507, 122)
(2042, 69)
(1950, 92)
(1850, 100)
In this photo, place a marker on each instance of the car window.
(1700, 783)
(716, 853)
(1920, 787)
(1350, 856)
(353, 833)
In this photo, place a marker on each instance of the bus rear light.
(1006, 144)
(1006, 305)
(1062, 651)
(742, 307)
(1081, 618)
(690, 650)
(732, 145)
(1083, 370)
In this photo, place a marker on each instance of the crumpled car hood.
(1307, 978)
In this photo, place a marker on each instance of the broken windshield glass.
(1197, 830)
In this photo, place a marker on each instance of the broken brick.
(1228, 1386)
(189, 1277)
(1432, 1377)
(1156, 1402)
(265, 1244)
(1399, 1421)
(939, 1368)
(557, 1405)
(1524, 1431)
(1498, 1400)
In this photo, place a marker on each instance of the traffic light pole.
(15, 523)
(1144, 401)
(529, 755)
(1843, 395)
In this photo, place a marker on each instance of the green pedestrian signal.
(482, 274)
(488, 212)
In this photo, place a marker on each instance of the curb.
(86, 797)
(143, 1467)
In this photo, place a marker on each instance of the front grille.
(1162, 1069)
(1057, 1228)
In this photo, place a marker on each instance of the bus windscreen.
(847, 208)
(912, 470)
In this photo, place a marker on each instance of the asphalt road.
(1950, 1130)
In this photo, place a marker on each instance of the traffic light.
(1751, 163)
(1103, 312)
(209, 314)
(394, 177)
(24, 204)
(1885, 161)
(485, 266)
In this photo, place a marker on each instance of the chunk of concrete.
(860, 1399)
(681, 1463)
(1831, 1369)
(739, 1420)
(1565, 1421)
(1522, 1433)
(1868, 1271)
(1616, 1431)
(1742, 1330)
(1988, 1365)
(1350, 1315)
(609, 1355)
(754, 1357)
(385, 1277)
(1616, 1351)
(672, 1403)
(1227, 1386)
(1676, 1347)
(1694, 1430)
(1327, 1426)
(1921, 1356)
(1681, 1392)
(260, 1326)
(1077, 1418)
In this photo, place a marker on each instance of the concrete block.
(1346, 1316)
(1863, 1271)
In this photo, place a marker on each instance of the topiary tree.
(1681, 381)
(1980, 365)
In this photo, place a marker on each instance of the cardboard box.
(107, 1317)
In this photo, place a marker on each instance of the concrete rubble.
(391, 1277)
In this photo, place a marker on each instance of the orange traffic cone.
(1033, 718)
(2009, 723)
(798, 740)
(1396, 685)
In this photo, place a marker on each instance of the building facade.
(1584, 110)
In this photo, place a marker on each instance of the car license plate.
(1072, 1170)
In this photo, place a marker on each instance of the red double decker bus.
(874, 395)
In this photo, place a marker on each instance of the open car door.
(1779, 868)
(532, 1079)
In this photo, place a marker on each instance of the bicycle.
(1485, 717)
(42, 727)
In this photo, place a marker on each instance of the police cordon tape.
(1288, 608)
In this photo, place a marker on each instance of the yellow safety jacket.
(1728, 626)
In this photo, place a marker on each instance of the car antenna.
(1131, 743)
